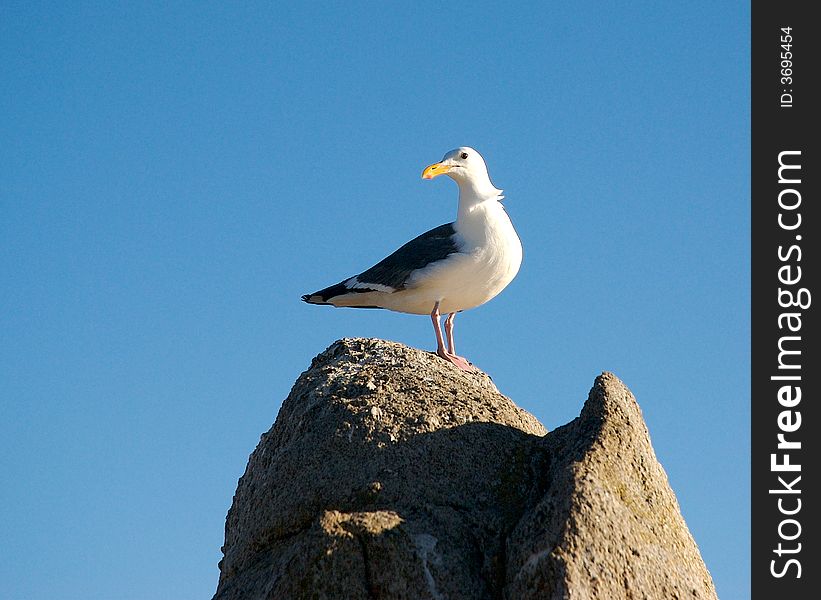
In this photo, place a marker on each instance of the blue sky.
(174, 177)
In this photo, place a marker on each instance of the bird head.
(466, 167)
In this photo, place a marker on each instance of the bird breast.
(489, 257)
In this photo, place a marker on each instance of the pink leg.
(440, 341)
(449, 332)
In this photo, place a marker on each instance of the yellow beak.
(435, 170)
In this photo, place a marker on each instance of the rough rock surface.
(391, 474)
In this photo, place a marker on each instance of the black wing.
(418, 253)
(393, 271)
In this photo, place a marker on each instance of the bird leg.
(449, 356)
(449, 332)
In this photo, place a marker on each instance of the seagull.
(451, 268)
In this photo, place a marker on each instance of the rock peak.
(389, 473)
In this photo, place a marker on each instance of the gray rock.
(391, 474)
(608, 525)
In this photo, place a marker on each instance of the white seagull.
(450, 268)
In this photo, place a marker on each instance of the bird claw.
(458, 361)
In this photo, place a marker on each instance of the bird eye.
(464, 155)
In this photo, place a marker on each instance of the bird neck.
(477, 188)
(472, 197)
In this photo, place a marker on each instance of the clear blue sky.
(173, 176)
